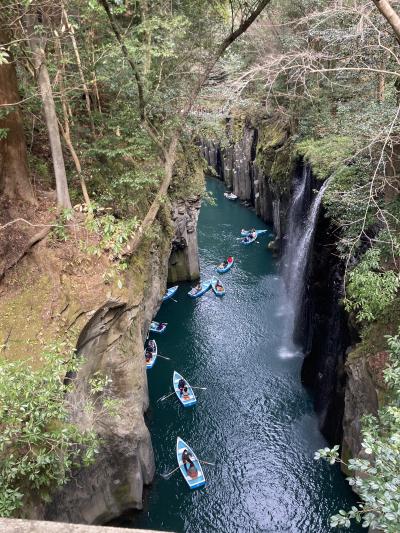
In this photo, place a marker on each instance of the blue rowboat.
(153, 346)
(248, 239)
(187, 400)
(158, 327)
(229, 265)
(196, 479)
(170, 292)
(217, 291)
(205, 286)
(245, 233)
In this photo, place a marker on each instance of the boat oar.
(173, 299)
(166, 476)
(206, 463)
(163, 357)
(200, 388)
(165, 397)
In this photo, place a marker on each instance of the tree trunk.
(38, 54)
(66, 130)
(390, 15)
(14, 173)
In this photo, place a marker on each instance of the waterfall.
(302, 220)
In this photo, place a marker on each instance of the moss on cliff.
(326, 155)
(188, 180)
(282, 169)
(275, 154)
(24, 313)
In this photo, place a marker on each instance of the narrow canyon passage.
(255, 420)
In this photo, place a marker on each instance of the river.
(255, 420)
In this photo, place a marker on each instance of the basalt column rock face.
(364, 394)
(184, 260)
(325, 334)
(256, 165)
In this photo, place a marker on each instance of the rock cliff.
(111, 342)
(256, 165)
(58, 291)
(184, 260)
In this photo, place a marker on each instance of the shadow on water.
(255, 420)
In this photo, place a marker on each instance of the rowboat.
(229, 265)
(245, 232)
(197, 479)
(186, 400)
(170, 292)
(152, 343)
(205, 286)
(230, 196)
(248, 240)
(217, 291)
(158, 327)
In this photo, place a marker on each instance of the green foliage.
(327, 154)
(377, 478)
(60, 231)
(370, 288)
(38, 443)
(113, 234)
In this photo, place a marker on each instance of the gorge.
(122, 123)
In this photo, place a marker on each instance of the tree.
(167, 142)
(14, 174)
(37, 44)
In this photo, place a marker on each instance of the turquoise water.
(255, 420)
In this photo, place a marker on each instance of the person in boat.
(187, 462)
(151, 346)
(223, 264)
(219, 286)
(197, 288)
(148, 355)
(186, 395)
(161, 325)
(181, 385)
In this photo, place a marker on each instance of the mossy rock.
(188, 179)
(282, 169)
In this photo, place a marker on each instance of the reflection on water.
(255, 421)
